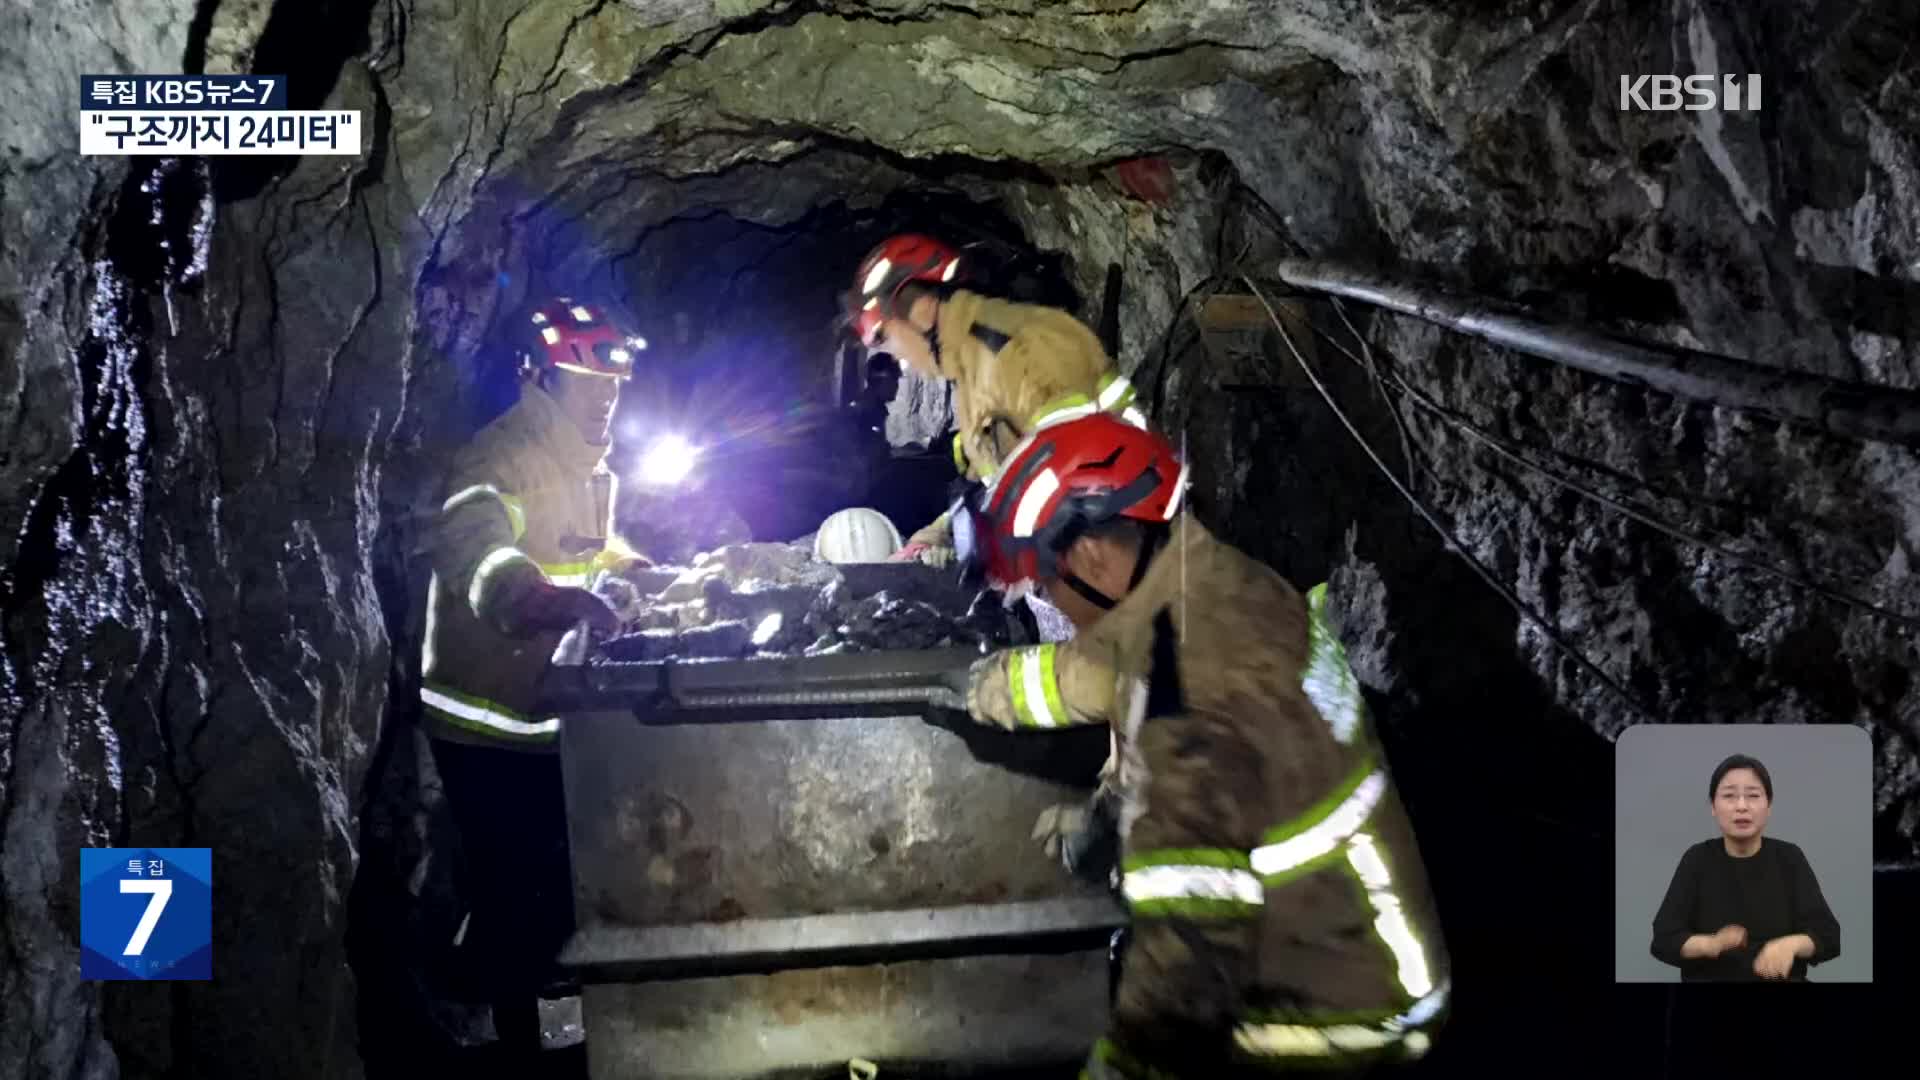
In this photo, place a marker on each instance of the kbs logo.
(1670, 93)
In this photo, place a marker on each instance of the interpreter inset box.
(1743, 853)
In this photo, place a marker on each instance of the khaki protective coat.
(527, 503)
(1246, 725)
(1010, 364)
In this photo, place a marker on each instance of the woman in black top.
(1743, 907)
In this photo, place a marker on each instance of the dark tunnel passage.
(242, 390)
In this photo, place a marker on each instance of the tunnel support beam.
(1851, 409)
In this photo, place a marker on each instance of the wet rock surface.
(230, 385)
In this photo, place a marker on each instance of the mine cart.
(785, 865)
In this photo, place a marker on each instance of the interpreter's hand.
(1775, 960)
(553, 607)
(1730, 936)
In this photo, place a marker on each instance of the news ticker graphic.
(179, 115)
(146, 913)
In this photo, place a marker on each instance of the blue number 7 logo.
(146, 913)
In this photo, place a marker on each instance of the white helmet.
(856, 535)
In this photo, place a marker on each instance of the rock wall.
(217, 449)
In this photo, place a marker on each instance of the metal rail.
(767, 689)
(762, 946)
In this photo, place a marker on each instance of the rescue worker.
(524, 522)
(1280, 910)
(1010, 364)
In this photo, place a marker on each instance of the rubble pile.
(771, 599)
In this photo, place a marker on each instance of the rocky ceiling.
(226, 385)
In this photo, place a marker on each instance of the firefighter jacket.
(527, 504)
(1280, 906)
(1012, 366)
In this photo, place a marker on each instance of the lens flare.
(668, 461)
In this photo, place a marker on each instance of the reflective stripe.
(1179, 491)
(1134, 416)
(1116, 392)
(1034, 500)
(1059, 411)
(1328, 680)
(486, 716)
(1060, 415)
(1308, 1040)
(573, 574)
(516, 513)
(1192, 883)
(1150, 883)
(1294, 848)
(959, 454)
(1302, 1038)
(1390, 919)
(489, 566)
(426, 640)
(1036, 695)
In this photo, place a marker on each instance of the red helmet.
(1062, 479)
(888, 267)
(580, 338)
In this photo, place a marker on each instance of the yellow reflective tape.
(959, 454)
(1036, 699)
(516, 510)
(1390, 916)
(1116, 392)
(469, 494)
(484, 575)
(1320, 839)
(1017, 686)
(1050, 685)
(568, 574)
(1192, 883)
(1059, 414)
(486, 717)
(1328, 680)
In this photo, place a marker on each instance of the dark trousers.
(509, 808)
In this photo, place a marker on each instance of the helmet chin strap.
(1149, 546)
(1092, 595)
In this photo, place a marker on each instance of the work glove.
(989, 693)
(553, 607)
(934, 555)
(618, 563)
(950, 689)
(622, 596)
(1085, 837)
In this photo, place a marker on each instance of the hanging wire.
(1645, 517)
(1453, 544)
(1373, 372)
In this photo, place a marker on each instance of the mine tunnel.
(1557, 426)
